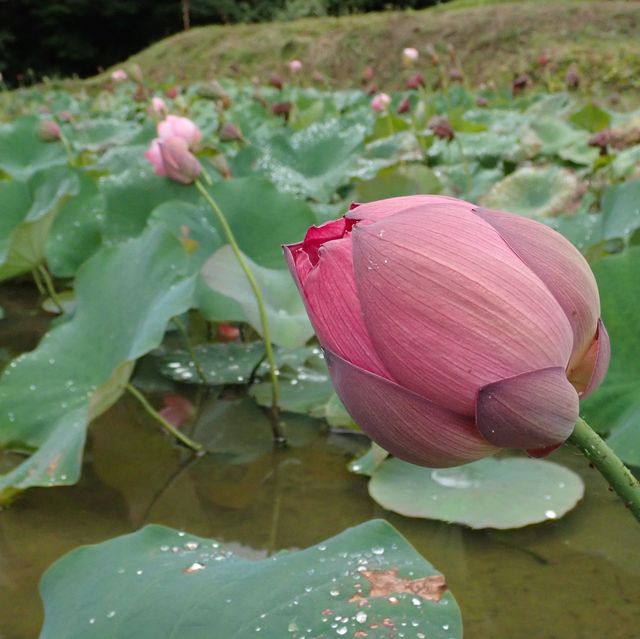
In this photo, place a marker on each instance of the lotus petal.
(560, 266)
(323, 270)
(450, 308)
(588, 374)
(407, 425)
(379, 209)
(534, 410)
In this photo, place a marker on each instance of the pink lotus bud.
(276, 81)
(441, 127)
(367, 75)
(404, 106)
(176, 126)
(65, 116)
(230, 132)
(228, 333)
(415, 82)
(520, 84)
(119, 75)
(455, 75)
(295, 66)
(380, 102)
(452, 331)
(49, 131)
(171, 92)
(409, 56)
(572, 79)
(481, 101)
(543, 60)
(282, 108)
(158, 107)
(171, 158)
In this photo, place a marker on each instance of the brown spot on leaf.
(359, 599)
(53, 465)
(386, 582)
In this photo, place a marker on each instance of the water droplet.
(377, 550)
(191, 545)
(416, 602)
(194, 567)
(342, 630)
(334, 592)
(550, 514)
(138, 572)
(92, 620)
(445, 626)
(164, 548)
(111, 614)
(361, 617)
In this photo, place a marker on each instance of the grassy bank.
(494, 41)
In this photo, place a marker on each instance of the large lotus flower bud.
(176, 126)
(452, 331)
(171, 158)
(50, 131)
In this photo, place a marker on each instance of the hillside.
(493, 40)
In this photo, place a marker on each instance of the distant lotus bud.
(415, 82)
(214, 90)
(171, 157)
(404, 106)
(228, 333)
(136, 73)
(221, 165)
(316, 76)
(276, 81)
(65, 116)
(229, 132)
(171, 92)
(452, 331)
(409, 56)
(371, 89)
(295, 66)
(572, 79)
(441, 127)
(481, 101)
(455, 75)
(140, 94)
(380, 102)
(520, 84)
(158, 107)
(49, 131)
(282, 108)
(435, 60)
(119, 75)
(601, 140)
(176, 126)
(543, 60)
(367, 75)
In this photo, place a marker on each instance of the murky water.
(575, 578)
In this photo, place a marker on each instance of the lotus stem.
(38, 280)
(609, 464)
(465, 164)
(192, 353)
(49, 286)
(170, 428)
(279, 434)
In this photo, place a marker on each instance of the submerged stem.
(275, 389)
(609, 464)
(51, 289)
(170, 428)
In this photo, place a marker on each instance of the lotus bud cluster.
(170, 153)
(452, 331)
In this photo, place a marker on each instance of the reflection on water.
(573, 578)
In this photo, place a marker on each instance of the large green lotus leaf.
(22, 152)
(615, 406)
(222, 363)
(98, 134)
(158, 583)
(261, 218)
(556, 134)
(592, 118)
(76, 231)
(621, 210)
(469, 182)
(401, 179)
(288, 321)
(627, 163)
(312, 162)
(535, 191)
(28, 212)
(125, 296)
(132, 195)
(387, 125)
(489, 493)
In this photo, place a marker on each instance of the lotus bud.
(435, 59)
(65, 116)
(415, 82)
(367, 75)
(520, 84)
(481, 101)
(441, 127)
(282, 108)
(380, 102)
(228, 333)
(276, 81)
(295, 66)
(404, 106)
(176, 126)
(572, 79)
(409, 56)
(455, 75)
(452, 331)
(230, 132)
(171, 157)
(50, 131)
(158, 107)
(543, 60)
(171, 92)
(601, 140)
(119, 75)
(136, 73)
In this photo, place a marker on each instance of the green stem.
(465, 164)
(170, 428)
(609, 464)
(392, 130)
(275, 389)
(192, 353)
(38, 280)
(51, 289)
(67, 147)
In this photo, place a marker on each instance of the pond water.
(575, 578)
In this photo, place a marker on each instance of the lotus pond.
(125, 309)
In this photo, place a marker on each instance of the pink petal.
(373, 211)
(560, 266)
(324, 274)
(588, 373)
(449, 306)
(177, 409)
(533, 410)
(407, 425)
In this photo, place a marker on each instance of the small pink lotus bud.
(441, 127)
(415, 82)
(276, 81)
(404, 106)
(380, 102)
(65, 116)
(176, 126)
(572, 79)
(543, 60)
(136, 73)
(158, 107)
(481, 101)
(451, 331)
(295, 66)
(601, 140)
(367, 75)
(229, 132)
(455, 75)
(119, 75)
(171, 92)
(409, 56)
(171, 157)
(282, 108)
(228, 333)
(520, 84)
(49, 131)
